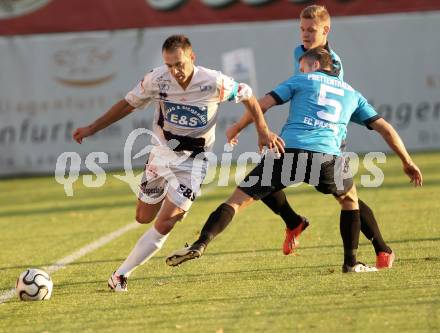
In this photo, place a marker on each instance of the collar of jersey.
(326, 46)
(330, 73)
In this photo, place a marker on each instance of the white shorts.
(174, 175)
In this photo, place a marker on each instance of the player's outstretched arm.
(265, 137)
(392, 138)
(118, 111)
(234, 130)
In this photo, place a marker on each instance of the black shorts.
(329, 174)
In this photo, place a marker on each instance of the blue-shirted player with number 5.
(315, 25)
(320, 110)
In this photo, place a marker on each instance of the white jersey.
(190, 112)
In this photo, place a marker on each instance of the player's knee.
(348, 202)
(165, 224)
(348, 199)
(181, 216)
(143, 217)
(171, 220)
(344, 198)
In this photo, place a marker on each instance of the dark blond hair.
(321, 55)
(315, 12)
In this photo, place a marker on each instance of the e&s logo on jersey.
(188, 116)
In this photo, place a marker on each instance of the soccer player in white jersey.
(186, 98)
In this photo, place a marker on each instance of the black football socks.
(370, 228)
(278, 203)
(216, 223)
(350, 225)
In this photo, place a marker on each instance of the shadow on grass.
(303, 189)
(220, 253)
(163, 280)
(168, 279)
(70, 208)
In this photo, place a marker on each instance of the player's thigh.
(153, 184)
(262, 180)
(185, 182)
(152, 191)
(334, 177)
(146, 212)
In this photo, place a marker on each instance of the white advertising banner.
(51, 84)
(240, 65)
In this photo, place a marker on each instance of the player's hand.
(414, 173)
(232, 133)
(271, 141)
(80, 133)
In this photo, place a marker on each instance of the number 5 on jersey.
(324, 100)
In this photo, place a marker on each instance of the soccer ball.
(34, 285)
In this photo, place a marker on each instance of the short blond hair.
(316, 12)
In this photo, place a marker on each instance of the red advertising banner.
(19, 17)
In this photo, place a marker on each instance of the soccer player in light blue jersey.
(315, 25)
(321, 106)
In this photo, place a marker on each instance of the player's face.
(313, 33)
(180, 64)
(307, 66)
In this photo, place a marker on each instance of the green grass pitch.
(243, 283)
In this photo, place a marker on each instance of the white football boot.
(187, 253)
(358, 268)
(117, 283)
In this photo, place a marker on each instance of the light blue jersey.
(321, 106)
(300, 50)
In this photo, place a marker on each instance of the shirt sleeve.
(230, 90)
(284, 92)
(141, 95)
(365, 113)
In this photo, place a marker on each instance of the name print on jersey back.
(321, 107)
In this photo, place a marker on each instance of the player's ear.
(316, 65)
(326, 30)
(192, 56)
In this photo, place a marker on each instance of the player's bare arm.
(118, 111)
(265, 137)
(232, 132)
(392, 138)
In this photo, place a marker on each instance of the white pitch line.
(89, 248)
(7, 295)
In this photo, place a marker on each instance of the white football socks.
(146, 247)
